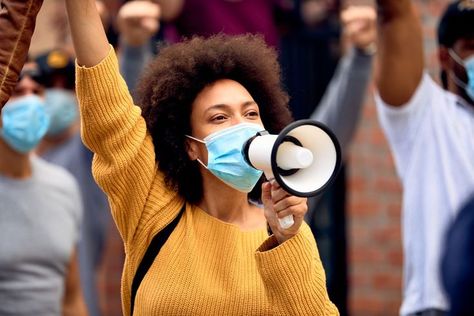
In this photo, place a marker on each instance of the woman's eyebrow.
(221, 106)
(248, 103)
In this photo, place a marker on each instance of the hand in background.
(360, 29)
(138, 21)
(314, 11)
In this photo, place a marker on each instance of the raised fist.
(138, 21)
(360, 27)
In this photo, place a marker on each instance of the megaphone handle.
(287, 221)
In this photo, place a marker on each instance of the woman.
(199, 100)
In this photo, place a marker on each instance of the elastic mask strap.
(456, 57)
(453, 76)
(457, 81)
(202, 142)
(202, 164)
(196, 139)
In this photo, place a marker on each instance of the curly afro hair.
(172, 81)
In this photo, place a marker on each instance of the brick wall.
(375, 253)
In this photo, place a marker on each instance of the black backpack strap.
(153, 249)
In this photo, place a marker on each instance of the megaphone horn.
(304, 158)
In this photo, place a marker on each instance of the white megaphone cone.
(304, 158)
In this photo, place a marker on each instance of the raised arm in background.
(137, 22)
(400, 51)
(342, 102)
(17, 23)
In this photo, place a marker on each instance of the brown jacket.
(17, 23)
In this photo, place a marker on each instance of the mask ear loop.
(460, 62)
(456, 57)
(202, 142)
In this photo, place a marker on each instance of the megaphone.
(303, 159)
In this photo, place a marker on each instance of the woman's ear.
(192, 149)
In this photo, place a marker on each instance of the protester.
(40, 214)
(430, 133)
(339, 108)
(219, 258)
(62, 145)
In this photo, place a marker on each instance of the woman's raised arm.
(88, 35)
(111, 125)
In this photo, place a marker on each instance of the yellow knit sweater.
(207, 267)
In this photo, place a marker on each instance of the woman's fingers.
(290, 203)
(277, 192)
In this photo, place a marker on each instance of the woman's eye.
(217, 118)
(252, 114)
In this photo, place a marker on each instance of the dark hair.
(180, 71)
(456, 23)
(57, 64)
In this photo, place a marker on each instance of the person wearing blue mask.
(192, 213)
(62, 145)
(57, 70)
(430, 130)
(40, 213)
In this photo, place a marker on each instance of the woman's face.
(218, 106)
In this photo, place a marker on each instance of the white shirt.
(432, 140)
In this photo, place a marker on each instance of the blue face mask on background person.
(25, 122)
(468, 64)
(225, 159)
(61, 106)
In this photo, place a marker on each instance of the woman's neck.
(229, 205)
(14, 164)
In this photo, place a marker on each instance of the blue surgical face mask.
(25, 122)
(61, 106)
(225, 159)
(468, 64)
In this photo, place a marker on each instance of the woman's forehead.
(223, 92)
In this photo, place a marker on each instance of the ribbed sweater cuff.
(277, 261)
(105, 102)
(293, 275)
(103, 87)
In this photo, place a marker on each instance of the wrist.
(133, 41)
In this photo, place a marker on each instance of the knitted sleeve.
(294, 276)
(113, 128)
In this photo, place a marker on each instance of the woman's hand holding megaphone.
(278, 204)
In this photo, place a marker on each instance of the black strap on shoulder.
(153, 249)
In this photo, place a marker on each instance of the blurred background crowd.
(356, 222)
